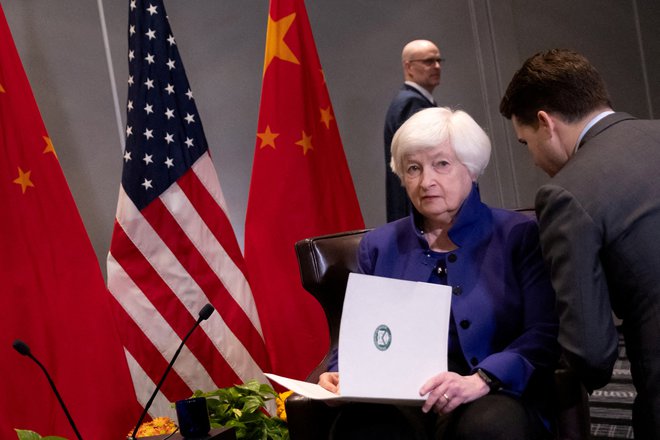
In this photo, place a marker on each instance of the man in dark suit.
(421, 71)
(599, 217)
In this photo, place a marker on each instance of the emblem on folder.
(382, 337)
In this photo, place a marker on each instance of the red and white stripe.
(165, 263)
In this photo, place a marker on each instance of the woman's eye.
(413, 170)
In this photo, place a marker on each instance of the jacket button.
(457, 290)
(451, 258)
(465, 324)
(474, 361)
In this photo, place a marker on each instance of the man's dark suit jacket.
(600, 231)
(407, 102)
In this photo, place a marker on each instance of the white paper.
(307, 389)
(416, 318)
(392, 339)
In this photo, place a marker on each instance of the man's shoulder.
(406, 102)
(612, 128)
(408, 93)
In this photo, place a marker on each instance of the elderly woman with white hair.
(502, 348)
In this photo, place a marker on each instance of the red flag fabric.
(53, 295)
(301, 187)
(173, 248)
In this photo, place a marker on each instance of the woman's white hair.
(432, 127)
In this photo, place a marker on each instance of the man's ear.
(545, 121)
(547, 124)
(406, 69)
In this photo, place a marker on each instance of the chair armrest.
(308, 419)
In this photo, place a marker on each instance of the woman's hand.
(330, 381)
(449, 390)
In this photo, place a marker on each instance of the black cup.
(193, 417)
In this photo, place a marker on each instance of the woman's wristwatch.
(493, 383)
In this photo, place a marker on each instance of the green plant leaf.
(243, 408)
(25, 434)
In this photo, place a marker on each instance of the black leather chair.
(325, 263)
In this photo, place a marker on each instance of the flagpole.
(111, 72)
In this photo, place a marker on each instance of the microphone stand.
(23, 349)
(203, 315)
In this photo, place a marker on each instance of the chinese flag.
(301, 187)
(53, 295)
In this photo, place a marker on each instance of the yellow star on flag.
(2, 89)
(275, 45)
(326, 116)
(267, 138)
(49, 146)
(23, 179)
(305, 142)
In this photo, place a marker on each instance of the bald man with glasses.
(421, 62)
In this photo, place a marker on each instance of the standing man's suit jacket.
(406, 103)
(600, 232)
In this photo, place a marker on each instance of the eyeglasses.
(428, 62)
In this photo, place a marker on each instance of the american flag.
(173, 248)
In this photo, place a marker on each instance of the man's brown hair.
(558, 81)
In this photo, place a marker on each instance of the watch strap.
(493, 383)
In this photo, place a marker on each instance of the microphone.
(204, 314)
(23, 349)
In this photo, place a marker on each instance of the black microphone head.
(21, 347)
(206, 312)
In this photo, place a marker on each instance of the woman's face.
(436, 182)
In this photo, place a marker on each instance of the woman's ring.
(446, 397)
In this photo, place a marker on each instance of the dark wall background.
(359, 42)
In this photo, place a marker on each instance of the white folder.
(392, 339)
